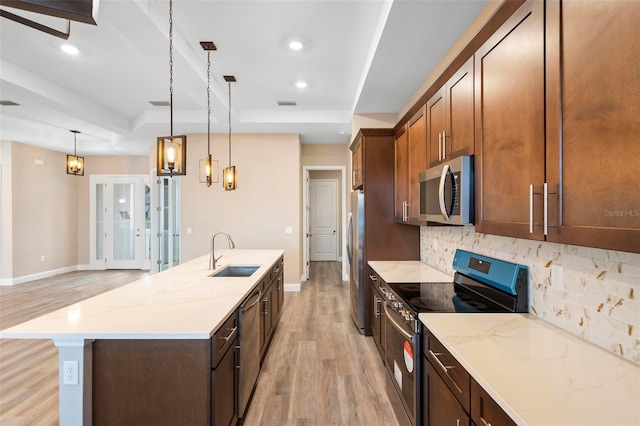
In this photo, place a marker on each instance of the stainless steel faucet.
(212, 256)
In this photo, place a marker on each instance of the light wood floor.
(318, 371)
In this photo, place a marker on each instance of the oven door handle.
(396, 325)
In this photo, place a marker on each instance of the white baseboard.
(90, 267)
(38, 276)
(294, 286)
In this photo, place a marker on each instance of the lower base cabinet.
(177, 382)
(450, 396)
(441, 407)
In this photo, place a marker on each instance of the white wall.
(256, 214)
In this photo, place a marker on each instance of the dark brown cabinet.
(401, 176)
(224, 385)
(484, 410)
(383, 238)
(410, 160)
(173, 381)
(450, 396)
(442, 407)
(376, 313)
(593, 123)
(450, 113)
(357, 170)
(271, 305)
(510, 126)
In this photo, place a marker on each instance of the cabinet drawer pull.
(373, 278)
(444, 368)
(231, 333)
(484, 422)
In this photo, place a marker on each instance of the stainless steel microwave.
(446, 192)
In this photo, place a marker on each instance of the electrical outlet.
(41, 258)
(70, 373)
(557, 276)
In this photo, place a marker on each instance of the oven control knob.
(409, 316)
(396, 305)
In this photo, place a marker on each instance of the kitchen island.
(180, 308)
(537, 373)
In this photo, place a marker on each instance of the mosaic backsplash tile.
(593, 293)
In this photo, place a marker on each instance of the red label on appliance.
(408, 356)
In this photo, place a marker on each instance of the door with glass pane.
(166, 223)
(119, 222)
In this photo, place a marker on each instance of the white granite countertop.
(408, 271)
(179, 303)
(538, 373)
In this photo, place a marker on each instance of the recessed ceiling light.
(69, 49)
(296, 45)
(301, 84)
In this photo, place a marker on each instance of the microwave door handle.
(443, 179)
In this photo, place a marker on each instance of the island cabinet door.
(151, 382)
(224, 388)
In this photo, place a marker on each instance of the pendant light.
(172, 150)
(75, 164)
(208, 170)
(230, 180)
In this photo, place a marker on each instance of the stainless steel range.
(481, 285)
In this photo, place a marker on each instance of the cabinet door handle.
(376, 306)
(440, 146)
(444, 368)
(531, 209)
(231, 334)
(545, 200)
(444, 144)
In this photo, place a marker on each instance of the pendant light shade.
(171, 150)
(230, 180)
(208, 169)
(75, 164)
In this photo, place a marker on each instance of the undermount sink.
(235, 271)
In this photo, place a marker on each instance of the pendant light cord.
(75, 151)
(229, 124)
(208, 103)
(171, 62)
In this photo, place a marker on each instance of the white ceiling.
(360, 56)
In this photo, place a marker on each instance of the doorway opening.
(320, 242)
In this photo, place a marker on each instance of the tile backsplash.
(593, 293)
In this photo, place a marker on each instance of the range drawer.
(449, 369)
(223, 339)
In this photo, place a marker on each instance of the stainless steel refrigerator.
(355, 252)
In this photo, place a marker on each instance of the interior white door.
(118, 222)
(323, 220)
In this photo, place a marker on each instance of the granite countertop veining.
(538, 373)
(408, 271)
(180, 303)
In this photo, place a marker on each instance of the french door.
(120, 234)
(165, 220)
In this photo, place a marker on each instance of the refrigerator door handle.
(350, 239)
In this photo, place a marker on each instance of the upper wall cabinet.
(593, 123)
(411, 159)
(450, 130)
(357, 170)
(510, 128)
(401, 176)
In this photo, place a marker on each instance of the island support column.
(75, 400)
